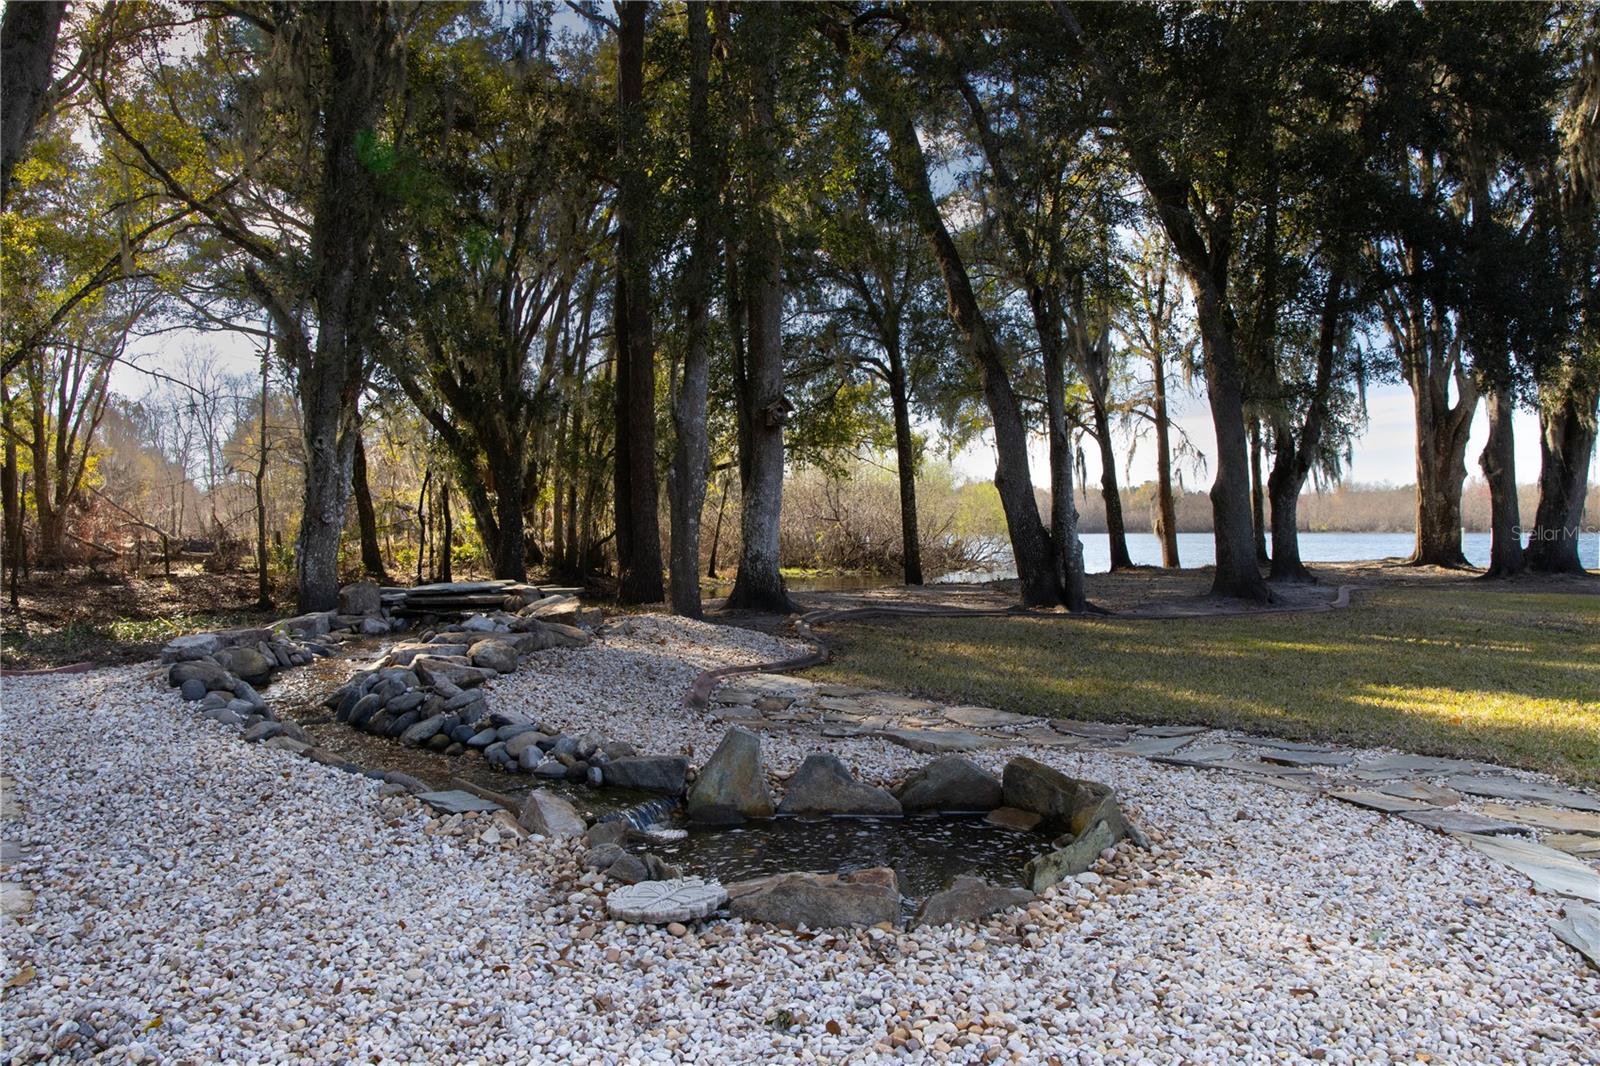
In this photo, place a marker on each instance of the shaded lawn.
(1510, 677)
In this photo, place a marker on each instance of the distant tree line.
(607, 269)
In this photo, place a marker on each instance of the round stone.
(193, 689)
(681, 899)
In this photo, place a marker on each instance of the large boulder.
(819, 901)
(497, 655)
(208, 671)
(192, 646)
(247, 663)
(549, 815)
(950, 783)
(732, 786)
(457, 671)
(1065, 803)
(969, 899)
(824, 785)
(363, 597)
(649, 773)
(315, 624)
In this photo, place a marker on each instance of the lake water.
(1199, 549)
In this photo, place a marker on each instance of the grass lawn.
(1507, 676)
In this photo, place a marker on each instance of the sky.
(1383, 454)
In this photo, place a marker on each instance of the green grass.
(1509, 677)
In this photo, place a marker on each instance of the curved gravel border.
(201, 899)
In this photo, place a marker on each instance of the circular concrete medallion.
(680, 899)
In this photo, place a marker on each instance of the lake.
(1199, 549)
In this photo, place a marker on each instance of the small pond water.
(925, 851)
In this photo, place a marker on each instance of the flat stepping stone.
(1261, 769)
(1091, 730)
(454, 586)
(893, 704)
(457, 801)
(1202, 757)
(680, 899)
(1042, 737)
(840, 705)
(1550, 870)
(936, 741)
(988, 718)
(1171, 731)
(1285, 745)
(1388, 767)
(1327, 757)
(1525, 791)
(1579, 928)
(1421, 790)
(1554, 819)
(1379, 801)
(1149, 747)
(1582, 845)
(1464, 823)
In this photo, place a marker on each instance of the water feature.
(926, 851)
(296, 695)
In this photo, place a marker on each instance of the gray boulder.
(1065, 803)
(819, 901)
(264, 731)
(824, 785)
(247, 663)
(549, 815)
(423, 731)
(950, 783)
(658, 773)
(969, 899)
(362, 597)
(225, 716)
(207, 671)
(364, 709)
(191, 646)
(732, 786)
(193, 689)
(497, 655)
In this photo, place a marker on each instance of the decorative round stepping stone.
(680, 899)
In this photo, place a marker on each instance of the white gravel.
(199, 899)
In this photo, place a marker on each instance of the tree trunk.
(1442, 432)
(346, 218)
(1166, 510)
(1567, 418)
(8, 486)
(509, 547)
(28, 35)
(716, 531)
(1030, 542)
(1116, 530)
(638, 527)
(447, 534)
(1498, 462)
(1233, 530)
(1258, 508)
(1237, 573)
(906, 466)
(366, 515)
(691, 457)
(759, 584)
(263, 579)
(1063, 511)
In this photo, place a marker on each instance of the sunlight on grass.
(1502, 676)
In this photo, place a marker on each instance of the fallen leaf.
(22, 977)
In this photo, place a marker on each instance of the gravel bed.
(199, 899)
